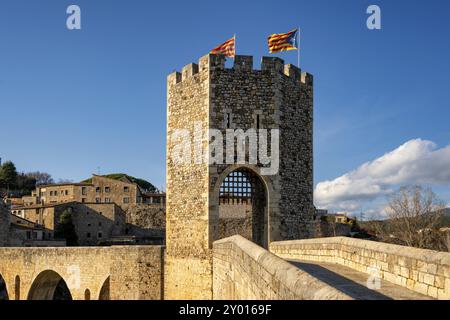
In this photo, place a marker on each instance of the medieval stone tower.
(207, 201)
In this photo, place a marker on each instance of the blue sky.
(73, 101)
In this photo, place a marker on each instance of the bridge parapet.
(243, 270)
(424, 271)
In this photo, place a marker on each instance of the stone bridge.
(327, 268)
(81, 273)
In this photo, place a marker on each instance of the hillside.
(144, 184)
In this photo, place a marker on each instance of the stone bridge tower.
(206, 200)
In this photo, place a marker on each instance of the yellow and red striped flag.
(228, 48)
(283, 41)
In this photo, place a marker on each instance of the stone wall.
(424, 271)
(188, 260)
(146, 220)
(243, 270)
(132, 272)
(94, 222)
(323, 229)
(232, 226)
(4, 224)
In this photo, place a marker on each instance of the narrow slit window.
(228, 120)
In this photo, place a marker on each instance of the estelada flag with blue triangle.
(283, 41)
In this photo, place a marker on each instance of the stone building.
(207, 97)
(99, 189)
(94, 223)
(123, 192)
(24, 233)
(117, 206)
(65, 192)
(16, 231)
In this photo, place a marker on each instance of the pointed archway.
(243, 206)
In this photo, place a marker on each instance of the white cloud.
(415, 162)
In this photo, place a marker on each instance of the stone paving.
(354, 283)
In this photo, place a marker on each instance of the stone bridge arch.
(3, 289)
(105, 293)
(110, 272)
(49, 285)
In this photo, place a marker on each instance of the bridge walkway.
(354, 283)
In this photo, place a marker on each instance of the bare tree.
(414, 214)
(41, 177)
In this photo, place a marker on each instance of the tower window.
(228, 120)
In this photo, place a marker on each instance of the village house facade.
(102, 209)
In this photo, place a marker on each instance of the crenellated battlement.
(242, 63)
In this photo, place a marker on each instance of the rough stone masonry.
(277, 96)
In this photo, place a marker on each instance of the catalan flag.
(228, 48)
(283, 41)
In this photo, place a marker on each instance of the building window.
(107, 200)
(83, 200)
(67, 192)
(97, 189)
(88, 235)
(126, 189)
(100, 235)
(97, 200)
(88, 224)
(126, 200)
(84, 191)
(28, 235)
(99, 224)
(107, 189)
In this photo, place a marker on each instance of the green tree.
(65, 229)
(8, 175)
(25, 184)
